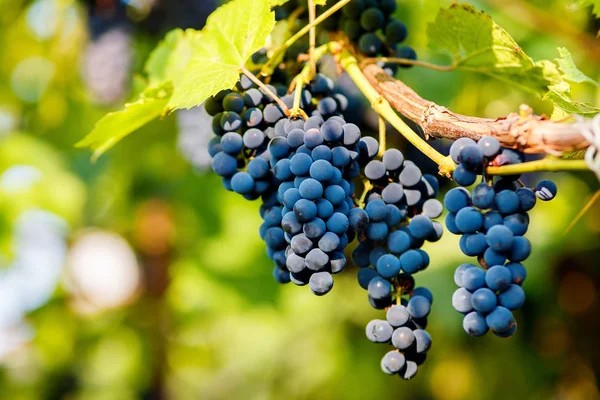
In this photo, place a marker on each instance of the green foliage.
(217, 53)
(560, 95)
(478, 44)
(188, 67)
(595, 4)
(570, 70)
(116, 125)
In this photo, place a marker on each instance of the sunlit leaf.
(157, 66)
(116, 125)
(560, 95)
(478, 44)
(595, 4)
(231, 35)
(570, 70)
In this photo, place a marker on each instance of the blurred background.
(140, 277)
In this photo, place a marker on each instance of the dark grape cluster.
(315, 164)
(393, 226)
(246, 119)
(370, 24)
(492, 219)
(404, 328)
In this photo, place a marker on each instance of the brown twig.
(523, 131)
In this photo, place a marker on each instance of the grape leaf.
(478, 44)
(157, 66)
(116, 125)
(570, 70)
(560, 95)
(217, 53)
(595, 6)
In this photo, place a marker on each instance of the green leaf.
(116, 125)
(217, 53)
(275, 3)
(478, 44)
(560, 95)
(594, 3)
(570, 70)
(157, 67)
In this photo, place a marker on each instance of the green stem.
(406, 61)
(546, 164)
(384, 109)
(266, 90)
(276, 57)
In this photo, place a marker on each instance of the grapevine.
(328, 190)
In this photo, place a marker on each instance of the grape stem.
(268, 68)
(368, 187)
(384, 109)
(406, 61)
(548, 164)
(382, 137)
(582, 212)
(266, 90)
(312, 37)
(304, 77)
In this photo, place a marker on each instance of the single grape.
(474, 324)
(320, 283)
(403, 338)
(379, 331)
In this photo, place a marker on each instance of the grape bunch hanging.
(323, 185)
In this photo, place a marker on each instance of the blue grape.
(474, 324)
(490, 146)
(456, 199)
(546, 190)
(518, 272)
(483, 196)
(388, 266)
(498, 277)
(483, 300)
(320, 283)
(469, 220)
(521, 249)
(507, 202)
(379, 331)
(379, 288)
(403, 338)
(392, 362)
(397, 316)
(512, 298)
(461, 301)
(423, 340)
(500, 319)
(419, 307)
(473, 279)
(311, 189)
(499, 238)
(365, 275)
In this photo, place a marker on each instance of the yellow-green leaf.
(157, 65)
(116, 125)
(570, 70)
(595, 4)
(560, 95)
(217, 53)
(478, 44)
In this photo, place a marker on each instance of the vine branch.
(524, 131)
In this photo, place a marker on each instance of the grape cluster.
(246, 119)
(404, 328)
(492, 220)
(315, 164)
(393, 226)
(369, 24)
